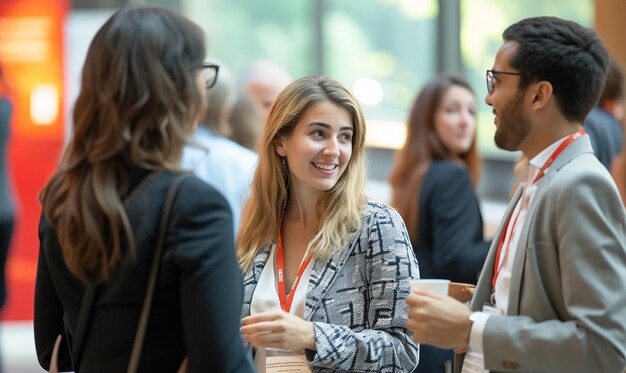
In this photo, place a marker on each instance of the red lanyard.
(497, 265)
(285, 302)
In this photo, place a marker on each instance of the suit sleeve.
(458, 249)
(211, 281)
(384, 344)
(585, 231)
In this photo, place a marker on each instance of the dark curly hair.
(569, 56)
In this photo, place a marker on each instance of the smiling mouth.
(325, 167)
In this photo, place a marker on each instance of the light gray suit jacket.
(567, 303)
(356, 300)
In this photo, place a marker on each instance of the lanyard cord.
(285, 301)
(497, 265)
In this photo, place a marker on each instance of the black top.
(197, 301)
(450, 241)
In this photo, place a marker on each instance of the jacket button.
(510, 365)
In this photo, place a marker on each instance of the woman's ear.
(279, 145)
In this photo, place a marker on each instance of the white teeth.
(326, 167)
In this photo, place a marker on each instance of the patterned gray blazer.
(356, 300)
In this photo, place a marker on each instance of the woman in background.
(307, 227)
(143, 90)
(433, 180)
(7, 201)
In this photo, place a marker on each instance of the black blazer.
(450, 241)
(450, 236)
(197, 302)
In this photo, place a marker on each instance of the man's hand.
(278, 329)
(437, 320)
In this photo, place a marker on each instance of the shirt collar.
(540, 159)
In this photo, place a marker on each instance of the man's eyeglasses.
(491, 77)
(209, 73)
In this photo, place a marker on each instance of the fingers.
(273, 326)
(264, 316)
(276, 340)
(422, 298)
(265, 329)
(438, 320)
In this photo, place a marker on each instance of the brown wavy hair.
(340, 209)
(421, 146)
(137, 106)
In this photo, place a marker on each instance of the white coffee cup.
(437, 286)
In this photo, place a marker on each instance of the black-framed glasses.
(209, 73)
(491, 77)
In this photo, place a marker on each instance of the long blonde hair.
(421, 147)
(136, 108)
(340, 209)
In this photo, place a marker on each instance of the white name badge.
(474, 362)
(285, 361)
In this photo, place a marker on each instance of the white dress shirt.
(226, 166)
(265, 298)
(510, 246)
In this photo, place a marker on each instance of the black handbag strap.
(152, 278)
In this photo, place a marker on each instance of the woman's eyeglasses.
(209, 72)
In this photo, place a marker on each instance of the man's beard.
(513, 126)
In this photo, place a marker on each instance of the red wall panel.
(31, 52)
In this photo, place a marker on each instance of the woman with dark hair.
(308, 227)
(143, 88)
(433, 181)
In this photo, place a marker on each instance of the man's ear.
(279, 145)
(542, 94)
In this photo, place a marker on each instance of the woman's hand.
(278, 329)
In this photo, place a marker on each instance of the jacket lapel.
(520, 253)
(484, 288)
(578, 147)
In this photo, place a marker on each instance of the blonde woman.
(327, 272)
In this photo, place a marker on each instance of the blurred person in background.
(143, 90)
(308, 227)
(618, 169)
(212, 156)
(7, 197)
(258, 86)
(602, 124)
(433, 181)
(614, 89)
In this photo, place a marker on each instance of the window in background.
(384, 51)
(482, 24)
(241, 31)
